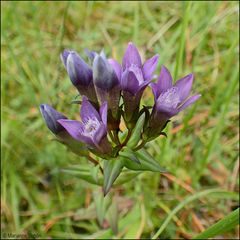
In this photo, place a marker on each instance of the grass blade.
(187, 7)
(222, 226)
(184, 203)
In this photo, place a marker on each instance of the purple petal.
(155, 91)
(116, 66)
(64, 56)
(103, 113)
(149, 67)
(184, 85)
(131, 57)
(104, 76)
(138, 73)
(79, 71)
(75, 129)
(164, 81)
(189, 102)
(51, 116)
(169, 111)
(91, 54)
(103, 55)
(144, 85)
(99, 134)
(129, 82)
(88, 111)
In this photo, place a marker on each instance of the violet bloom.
(93, 128)
(135, 78)
(80, 74)
(51, 116)
(106, 80)
(90, 54)
(169, 99)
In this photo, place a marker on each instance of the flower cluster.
(111, 92)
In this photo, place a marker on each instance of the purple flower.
(93, 128)
(106, 78)
(135, 78)
(91, 54)
(116, 67)
(51, 116)
(80, 74)
(170, 99)
(104, 75)
(141, 74)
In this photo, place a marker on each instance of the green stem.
(111, 136)
(141, 145)
(95, 162)
(127, 138)
(115, 134)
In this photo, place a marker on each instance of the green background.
(201, 151)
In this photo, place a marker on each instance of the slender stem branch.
(111, 136)
(95, 162)
(127, 138)
(115, 134)
(141, 145)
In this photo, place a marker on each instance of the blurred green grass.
(201, 150)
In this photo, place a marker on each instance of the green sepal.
(145, 110)
(163, 134)
(75, 146)
(123, 135)
(137, 131)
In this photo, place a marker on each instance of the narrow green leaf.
(126, 176)
(112, 216)
(148, 163)
(180, 54)
(129, 154)
(101, 206)
(94, 171)
(137, 131)
(84, 175)
(222, 226)
(111, 169)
